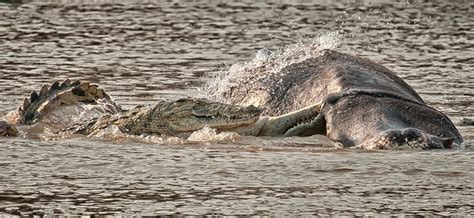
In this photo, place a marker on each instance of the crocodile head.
(189, 114)
(184, 116)
(7, 129)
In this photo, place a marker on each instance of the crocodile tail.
(53, 96)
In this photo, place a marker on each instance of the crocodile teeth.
(34, 96)
(43, 90)
(26, 104)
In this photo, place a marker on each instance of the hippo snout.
(408, 138)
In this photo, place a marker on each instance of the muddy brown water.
(143, 51)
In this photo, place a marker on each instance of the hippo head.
(7, 129)
(408, 138)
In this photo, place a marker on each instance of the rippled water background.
(141, 51)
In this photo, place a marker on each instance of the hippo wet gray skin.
(363, 104)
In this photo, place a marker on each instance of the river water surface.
(142, 51)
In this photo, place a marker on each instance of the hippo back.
(312, 80)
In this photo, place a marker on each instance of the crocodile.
(56, 106)
(362, 103)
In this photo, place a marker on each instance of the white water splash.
(272, 62)
(207, 134)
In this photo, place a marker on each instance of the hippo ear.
(447, 142)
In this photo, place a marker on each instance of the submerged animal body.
(59, 108)
(362, 103)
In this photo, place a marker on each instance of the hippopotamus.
(362, 103)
